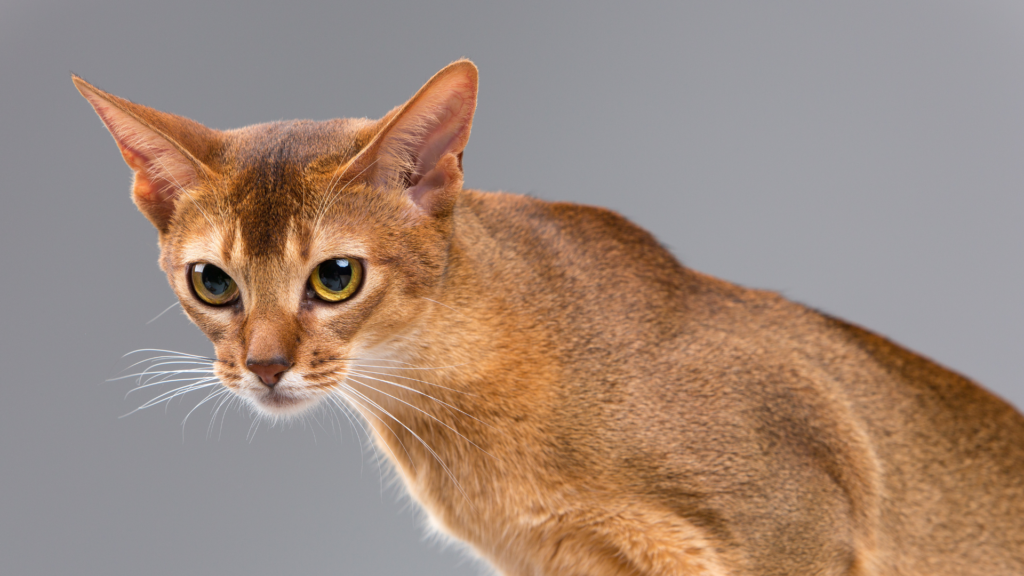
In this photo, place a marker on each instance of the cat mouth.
(282, 403)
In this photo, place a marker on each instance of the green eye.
(337, 279)
(212, 285)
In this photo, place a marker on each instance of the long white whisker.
(180, 360)
(415, 435)
(342, 404)
(179, 390)
(170, 394)
(161, 373)
(161, 377)
(366, 374)
(305, 422)
(225, 397)
(198, 385)
(346, 398)
(162, 313)
(360, 367)
(156, 361)
(363, 374)
(348, 416)
(253, 428)
(416, 408)
(233, 400)
(410, 366)
(209, 397)
(176, 353)
(161, 382)
(168, 376)
(323, 413)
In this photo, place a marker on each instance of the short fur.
(553, 386)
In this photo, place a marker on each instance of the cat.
(554, 387)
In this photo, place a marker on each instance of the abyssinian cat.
(553, 387)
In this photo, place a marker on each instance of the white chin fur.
(281, 406)
(287, 399)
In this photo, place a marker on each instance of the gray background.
(863, 159)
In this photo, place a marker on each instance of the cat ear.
(161, 148)
(418, 146)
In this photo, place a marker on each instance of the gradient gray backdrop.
(863, 159)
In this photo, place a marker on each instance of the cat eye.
(337, 279)
(212, 285)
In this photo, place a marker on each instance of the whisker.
(334, 197)
(233, 400)
(346, 413)
(159, 382)
(427, 414)
(323, 201)
(162, 313)
(195, 385)
(253, 428)
(181, 390)
(156, 361)
(445, 305)
(425, 445)
(225, 398)
(160, 373)
(348, 399)
(411, 366)
(209, 397)
(169, 352)
(323, 414)
(362, 374)
(360, 369)
(170, 394)
(180, 360)
(155, 379)
(341, 403)
(162, 378)
(304, 420)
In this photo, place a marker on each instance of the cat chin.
(282, 404)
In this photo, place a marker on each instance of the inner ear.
(407, 152)
(438, 131)
(160, 148)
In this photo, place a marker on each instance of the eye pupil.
(336, 279)
(212, 285)
(335, 275)
(215, 280)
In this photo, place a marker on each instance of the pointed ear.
(418, 146)
(164, 150)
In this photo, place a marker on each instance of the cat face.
(281, 340)
(299, 247)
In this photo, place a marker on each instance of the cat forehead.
(275, 173)
(297, 144)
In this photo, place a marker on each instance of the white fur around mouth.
(278, 402)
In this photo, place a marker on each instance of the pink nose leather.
(269, 372)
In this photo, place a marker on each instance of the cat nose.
(269, 371)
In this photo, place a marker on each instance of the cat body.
(552, 386)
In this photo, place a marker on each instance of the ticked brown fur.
(553, 386)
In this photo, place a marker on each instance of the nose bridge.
(272, 335)
(271, 330)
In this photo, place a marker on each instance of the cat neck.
(484, 376)
(468, 386)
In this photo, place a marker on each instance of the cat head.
(296, 246)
